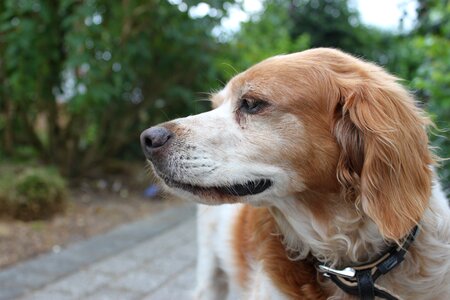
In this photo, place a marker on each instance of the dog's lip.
(247, 188)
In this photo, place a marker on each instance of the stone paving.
(149, 259)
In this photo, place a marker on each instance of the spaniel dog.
(315, 181)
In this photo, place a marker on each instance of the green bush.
(35, 194)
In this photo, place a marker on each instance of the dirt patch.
(88, 214)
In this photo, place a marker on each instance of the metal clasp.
(347, 272)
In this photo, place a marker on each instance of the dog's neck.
(333, 230)
(341, 236)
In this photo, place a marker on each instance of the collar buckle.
(360, 281)
(348, 272)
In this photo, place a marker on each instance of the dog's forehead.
(278, 79)
(258, 75)
(252, 82)
(283, 70)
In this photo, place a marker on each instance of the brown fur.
(384, 149)
(256, 238)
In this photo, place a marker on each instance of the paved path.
(150, 259)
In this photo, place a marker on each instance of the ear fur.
(385, 161)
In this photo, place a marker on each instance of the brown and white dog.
(315, 156)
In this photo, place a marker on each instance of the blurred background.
(80, 79)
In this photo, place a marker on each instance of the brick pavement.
(149, 259)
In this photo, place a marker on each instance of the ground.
(96, 206)
(86, 216)
(152, 258)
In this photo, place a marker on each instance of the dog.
(314, 180)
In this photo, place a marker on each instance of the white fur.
(216, 134)
(215, 260)
(262, 286)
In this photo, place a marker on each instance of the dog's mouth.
(252, 187)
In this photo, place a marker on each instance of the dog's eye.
(252, 107)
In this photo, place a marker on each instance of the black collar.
(360, 280)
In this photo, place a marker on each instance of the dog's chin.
(220, 193)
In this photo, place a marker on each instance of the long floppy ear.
(385, 161)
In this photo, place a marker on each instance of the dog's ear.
(385, 161)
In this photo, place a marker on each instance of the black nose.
(154, 139)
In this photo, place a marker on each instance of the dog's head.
(318, 120)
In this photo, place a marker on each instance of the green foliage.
(266, 35)
(80, 79)
(432, 37)
(330, 24)
(36, 193)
